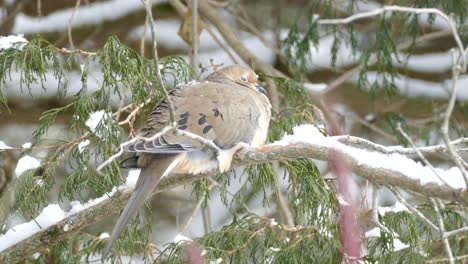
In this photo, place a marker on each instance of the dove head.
(238, 74)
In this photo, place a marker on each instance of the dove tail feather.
(147, 181)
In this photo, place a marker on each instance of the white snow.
(217, 261)
(273, 222)
(82, 145)
(132, 177)
(26, 145)
(434, 62)
(104, 235)
(415, 88)
(12, 41)
(94, 119)
(315, 87)
(3, 145)
(397, 244)
(397, 207)
(179, 238)
(50, 215)
(92, 14)
(26, 163)
(395, 162)
(374, 232)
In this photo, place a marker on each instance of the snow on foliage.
(12, 41)
(26, 163)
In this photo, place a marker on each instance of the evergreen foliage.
(249, 237)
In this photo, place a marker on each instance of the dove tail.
(147, 181)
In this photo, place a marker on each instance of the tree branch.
(80, 220)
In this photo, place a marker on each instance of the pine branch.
(117, 200)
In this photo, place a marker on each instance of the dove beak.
(261, 89)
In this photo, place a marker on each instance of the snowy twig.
(394, 8)
(448, 250)
(456, 69)
(420, 155)
(356, 141)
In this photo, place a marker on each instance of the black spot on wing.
(184, 115)
(217, 113)
(183, 121)
(206, 129)
(183, 127)
(202, 119)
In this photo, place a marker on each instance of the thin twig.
(420, 155)
(69, 29)
(196, 209)
(194, 54)
(413, 209)
(149, 15)
(356, 141)
(395, 8)
(448, 250)
(282, 200)
(375, 206)
(456, 69)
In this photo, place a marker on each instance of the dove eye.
(243, 78)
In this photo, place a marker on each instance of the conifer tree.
(308, 198)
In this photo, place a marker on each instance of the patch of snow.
(415, 88)
(40, 182)
(132, 177)
(26, 145)
(3, 145)
(315, 87)
(273, 222)
(104, 235)
(50, 215)
(397, 207)
(398, 245)
(95, 118)
(217, 261)
(179, 238)
(394, 162)
(374, 232)
(92, 14)
(12, 41)
(26, 163)
(434, 62)
(83, 144)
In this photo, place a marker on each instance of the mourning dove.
(228, 108)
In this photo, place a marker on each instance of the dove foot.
(225, 156)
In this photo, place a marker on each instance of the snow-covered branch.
(385, 169)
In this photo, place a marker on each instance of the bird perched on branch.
(227, 108)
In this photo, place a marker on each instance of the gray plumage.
(227, 107)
